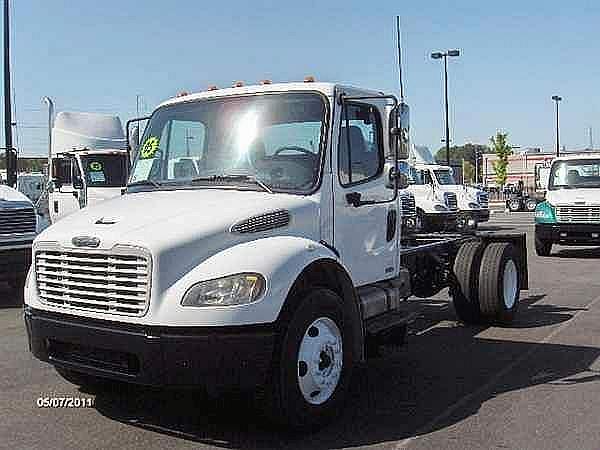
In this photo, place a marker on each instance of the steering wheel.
(294, 148)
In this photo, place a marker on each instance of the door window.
(360, 156)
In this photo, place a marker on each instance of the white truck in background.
(442, 203)
(88, 162)
(19, 225)
(266, 253)
(570, 214)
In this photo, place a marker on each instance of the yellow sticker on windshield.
(96, 166)
(149, 148)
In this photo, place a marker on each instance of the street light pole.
(11, 163)
(446, 101)
(444, 55)
(557, 99)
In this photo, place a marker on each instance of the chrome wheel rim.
(510, 284)
(320, 361)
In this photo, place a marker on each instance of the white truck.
(259, 246)
(18, 228)
(570, 214)
(443, 204)
(88, 162)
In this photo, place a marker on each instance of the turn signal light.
(212, 87)
(309, 79)
(265, 81)
(238, 84)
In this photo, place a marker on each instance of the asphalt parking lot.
(534, 385)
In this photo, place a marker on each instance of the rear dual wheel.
(487, 282)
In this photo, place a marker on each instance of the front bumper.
(216, 358)
(568, 233)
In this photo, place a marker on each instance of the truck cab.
(570, 214)
(259, 245)
(88, 162)
(435, 187)
(85, 177)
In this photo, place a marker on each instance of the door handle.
(392, 219)
(353, 198)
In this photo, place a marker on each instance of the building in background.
(526, 165)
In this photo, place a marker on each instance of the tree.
(465, 152)
(503, 150)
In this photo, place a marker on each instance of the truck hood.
(574, 197)
(96, 195)
(9, 194)
(182, 228)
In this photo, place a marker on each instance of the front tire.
(313, 363)
(530, 205)
(514, 205)
(542, 247)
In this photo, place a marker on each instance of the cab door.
(365, 234)
(63, 197)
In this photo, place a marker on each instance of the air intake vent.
(263, 222)
(451, 201)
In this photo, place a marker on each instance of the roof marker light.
(265, 81)
(212, 87)
(238, 84)
(182, 93)
(309, 79)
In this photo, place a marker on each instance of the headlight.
(237, 289)
(440, 208)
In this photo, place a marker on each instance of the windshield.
(444, 177)
(105, 170)
(272, 140)
(577, 173)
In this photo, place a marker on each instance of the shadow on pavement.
(391, 398)
(9, 297)
(582, 253)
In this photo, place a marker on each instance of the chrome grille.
(451, 201)
(483, 199)
(262, 222)
(116, 282)
(17, 220)
(407, 203)
(578, 214)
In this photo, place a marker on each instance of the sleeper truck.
(258, 246)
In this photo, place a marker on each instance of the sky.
(98, 56)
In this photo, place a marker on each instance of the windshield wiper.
(145, 183)
(234, 177)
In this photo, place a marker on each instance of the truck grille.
(578, 214)
(408, 206)
(113, 283)
(483, 199)
(17, 220)
(451, 201)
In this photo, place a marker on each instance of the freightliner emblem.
(85, 241)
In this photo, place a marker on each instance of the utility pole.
(591, 138)
(557, 99)
(11, 169)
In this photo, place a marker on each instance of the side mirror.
(398, 177)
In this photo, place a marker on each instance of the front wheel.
(514, 205)
(542, 247)
(530, 205)
(313, 363)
